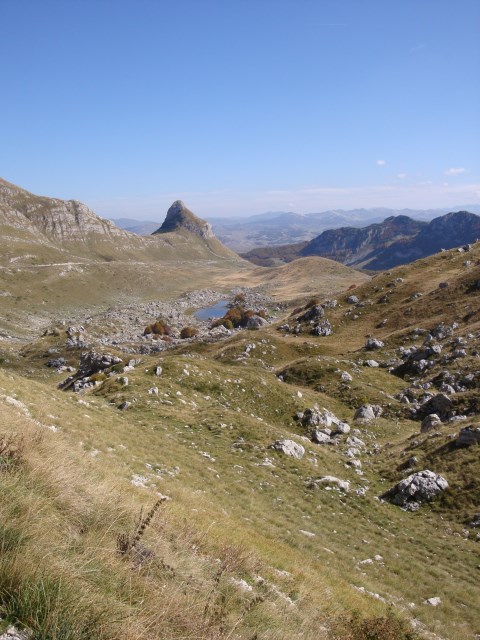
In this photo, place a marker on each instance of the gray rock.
(419, 487)
(373, 343)
(314, 313)
(12, 633)
(433, 602)
(368, 412)
(353, 441)
(125, 405)
(320, 437)
(289, 448)
(430, 422)
(323, 328)
(352, 299)
(439, 404)
(256, 322)
(56, 363)
(329, 482)
(468, 436)
(158, 370)
(324, 418)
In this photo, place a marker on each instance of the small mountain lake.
(217, 310)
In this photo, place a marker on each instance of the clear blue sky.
(242, 106)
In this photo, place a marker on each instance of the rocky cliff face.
(179, 217)
(59, 220)
(446, 232)
(353, 246)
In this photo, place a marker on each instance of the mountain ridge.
(396, 240)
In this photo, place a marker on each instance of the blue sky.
(242, 106)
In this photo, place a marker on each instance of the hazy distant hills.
(276, 228)
(140, 227)
(397, 240)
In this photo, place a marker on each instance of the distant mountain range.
(276, 228)
(397, 240)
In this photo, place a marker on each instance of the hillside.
(397, 240)
(58, 257)
(161, 498)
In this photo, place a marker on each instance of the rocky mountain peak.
(57, 219)
(180, 217)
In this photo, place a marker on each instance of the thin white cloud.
(401, 176)
(454, 171)
(381, 163)
(417, 48)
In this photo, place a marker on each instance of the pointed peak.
(180, 217)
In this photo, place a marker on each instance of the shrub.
(158, 328)
(11, 452)
(388, 627)
(239, 298)
(188, 332)
(312, 303)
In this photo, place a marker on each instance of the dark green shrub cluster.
(158, 328)
(188, 332)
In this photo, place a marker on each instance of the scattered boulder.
(468, 436)
(158, 370)
(440, 405)
(321, 436)
(368, 412)
(324, 418)
(256, 322)
(352, 299)
(430, 422)
(373, 343)
(289, 448)
(323, 328)
(329, 483)
(419, 487)
(314, 313)
(433, 602)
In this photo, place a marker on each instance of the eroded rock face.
(91, 363)
(180, 217)
(289, 448)
(417, 488)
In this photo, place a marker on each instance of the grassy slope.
(230, 516)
